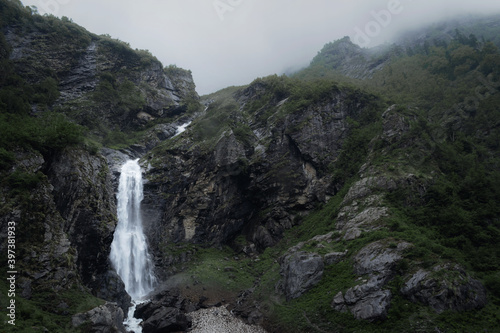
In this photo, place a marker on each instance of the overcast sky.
(232, 42)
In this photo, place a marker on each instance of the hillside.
(357, 195)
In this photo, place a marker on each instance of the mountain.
(359, 194)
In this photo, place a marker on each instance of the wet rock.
(445, 287)
(166, 319)
(300, 271)
(107, 318)
(111, 287)
(166, 312)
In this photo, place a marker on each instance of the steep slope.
(254, 162)
(365, 203)
(64, 93)
(405, 225)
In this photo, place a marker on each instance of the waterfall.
(129, 252)
(180, 129)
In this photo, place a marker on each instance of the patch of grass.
(48, 311)
(213, 267)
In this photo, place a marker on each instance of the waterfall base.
(131, 323)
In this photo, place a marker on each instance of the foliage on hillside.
(450, 93)
(450, 90)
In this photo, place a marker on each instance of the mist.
(232, 42)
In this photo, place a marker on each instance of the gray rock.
(373, 307)
(367, 186)
(361, 212)
(275, 166)
(394, 125)
(446, 287)
(166, 312)
(107, 318)
(81, 78)
(334, 257)
(368, 300)
(110, 286)
(166, 319)
(301, 271)
(84, 196)
(378, 258)
(339, 303)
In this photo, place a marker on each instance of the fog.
(232, 42)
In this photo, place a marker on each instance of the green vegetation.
(48, 310)
(124, 54)
(447, 92)
(448, 95)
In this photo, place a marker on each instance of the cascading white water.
(182, 128)
(129, 252)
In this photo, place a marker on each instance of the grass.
(312, 312)
(48, 311)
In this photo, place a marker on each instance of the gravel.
(220, 320)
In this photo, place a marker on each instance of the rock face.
(301, 271)
(350, 60)
(84, 63)
(445, 287)
(69, 207)
(46, 252)
(85, 199)
(107, 318)
(211, 194)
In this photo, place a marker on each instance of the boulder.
(378, 258)
(166, 319)
(369, 300)
(366, 301)
(111, 287)
(445, 287)
(373, 307)
(301, 271)
(107, 318)
(166, 312)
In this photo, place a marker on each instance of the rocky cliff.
(258, 174)
(303, 204)
(65, 93)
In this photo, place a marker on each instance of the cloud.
(231, 42)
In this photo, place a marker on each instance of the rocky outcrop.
(109, 286)
(166, 312)
(85, 198)
(81, 78)
(107, 318)
(83, 63)
(71, 205)
(301, 271)
(445, 287)
(347, 58)
(376, 264)
(44, 251)
(211, 194)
